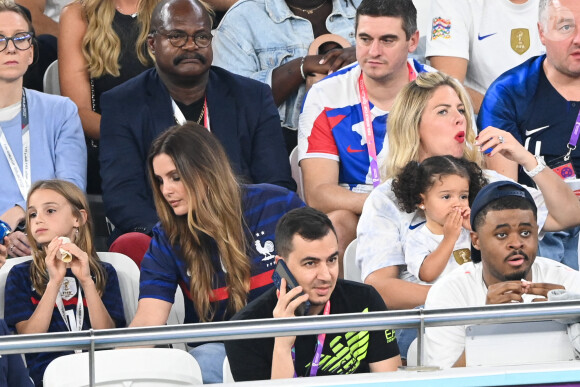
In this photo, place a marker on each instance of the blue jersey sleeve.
(18, 305)
(159, 272)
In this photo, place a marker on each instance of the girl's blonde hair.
(102, 45)
(215, 216)
(84, 239)
(405, 117)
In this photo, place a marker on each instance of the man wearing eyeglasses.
(184, 86)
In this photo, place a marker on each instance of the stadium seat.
(351, 270)
(128, 275)
(227, 371)
(134, 367)
(50, 81)
(297, 172)
(4, 270)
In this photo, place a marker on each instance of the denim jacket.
(257, 36)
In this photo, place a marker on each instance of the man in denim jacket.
(268, 40)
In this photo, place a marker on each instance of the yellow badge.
(520, 40)
(462, 256)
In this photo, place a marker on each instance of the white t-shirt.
(421, 242)
(465, 287)
(53, 7)
(383, 227)
(493, 36)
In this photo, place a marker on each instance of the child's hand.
(54, 265)
(452, 226)
(465, 214)
(80, 263)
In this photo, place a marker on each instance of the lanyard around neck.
(80, 312)
(368, 124)
(573, 138)
(23, 178)
(180, 118)
(318, 351)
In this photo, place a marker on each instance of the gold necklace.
(201, 115)
(308, 11)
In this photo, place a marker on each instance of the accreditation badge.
(520, 40)
(563, 167)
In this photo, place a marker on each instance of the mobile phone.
(282, 271)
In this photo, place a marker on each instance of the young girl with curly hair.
(443, 187)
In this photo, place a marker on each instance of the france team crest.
(441, 28)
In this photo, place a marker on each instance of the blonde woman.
(432, 116)
(215, 238)
(48, 294)
(102, 43)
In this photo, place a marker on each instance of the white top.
(383, 227)
(53, 7)
(493, 35)
(421, 242)
(465, 287)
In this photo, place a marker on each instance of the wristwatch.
(539, 168)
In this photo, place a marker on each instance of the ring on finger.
(11, 248)
(501, 139)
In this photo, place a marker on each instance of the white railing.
(230, 330)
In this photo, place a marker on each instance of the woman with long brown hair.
(215, 238)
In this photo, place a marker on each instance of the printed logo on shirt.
(265, 249)
(441, 28)
(414, 226)
(347, 352)
(462, 256)
(520, 40)
(481, 37)
(350, 150)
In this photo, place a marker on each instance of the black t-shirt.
(343, 353)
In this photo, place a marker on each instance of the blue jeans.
(561, 246)
(405, 337)
(210, 358)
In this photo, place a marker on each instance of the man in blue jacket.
(538, 102)
(184, 86)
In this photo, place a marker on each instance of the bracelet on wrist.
(302, 68)
(539, 168)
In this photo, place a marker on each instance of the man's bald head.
(162, 12)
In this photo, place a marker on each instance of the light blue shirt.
(57, 146)
(257, 36)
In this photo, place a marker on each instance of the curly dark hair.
(416, 179)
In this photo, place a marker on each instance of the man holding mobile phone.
(307, 243)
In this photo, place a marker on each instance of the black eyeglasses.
(179, 38)
(21, 40)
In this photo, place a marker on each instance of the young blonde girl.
(48, 294)
(443, 187)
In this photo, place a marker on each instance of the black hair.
(392, 8)
(416, 179)
(504, 203)
(307, 222)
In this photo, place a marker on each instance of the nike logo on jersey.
(479, 37)
(414, 226)
(530, 132)
(350, 150)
